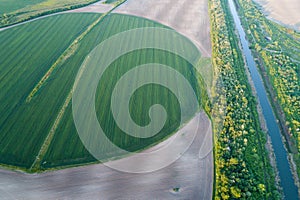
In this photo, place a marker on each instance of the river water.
(285, 174)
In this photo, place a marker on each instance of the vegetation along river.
(285, 174)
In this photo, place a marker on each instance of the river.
(285, 174)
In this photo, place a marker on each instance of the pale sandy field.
(98, 7)
(283, 11)
(188, 17)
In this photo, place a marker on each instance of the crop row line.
(67, 54)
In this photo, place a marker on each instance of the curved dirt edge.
(188, 17)
(191, 174)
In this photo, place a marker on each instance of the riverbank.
(285, 174)
(240, 153)
(290, 144)
(263, 126)
(264, 67)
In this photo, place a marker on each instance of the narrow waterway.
(285, 174)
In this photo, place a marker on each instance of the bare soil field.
(190, 177)
(188, 17)
(284, 11)
(98, 7)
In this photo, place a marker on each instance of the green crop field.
(111, 1)
(29, 50)
(7, 6)
(24, 125)
(14, 11)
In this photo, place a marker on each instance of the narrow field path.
(67, 54)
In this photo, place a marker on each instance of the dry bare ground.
(98, 7)
(188, 17)
(191, 174)
(284, 11)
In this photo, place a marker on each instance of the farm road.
(192, 174)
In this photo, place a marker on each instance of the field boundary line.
(61, 59)
(45, 146)
(50, 135)
(70, 50)
(40, 14)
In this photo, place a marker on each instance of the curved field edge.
(47, 96)
(242, 166)
(69, 155)
(34, 9)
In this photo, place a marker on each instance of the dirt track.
(188, 17)
(192, 174)
(284, 11)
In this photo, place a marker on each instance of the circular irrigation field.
(26, 126)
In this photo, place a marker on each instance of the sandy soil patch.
(192, 175)
(284, 11)
(188, 17)
(98, 7)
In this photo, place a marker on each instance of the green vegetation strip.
(29, 50)
(242, 167)
(15, 11)
(277, 50)
(45, 146)
(67, 54)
